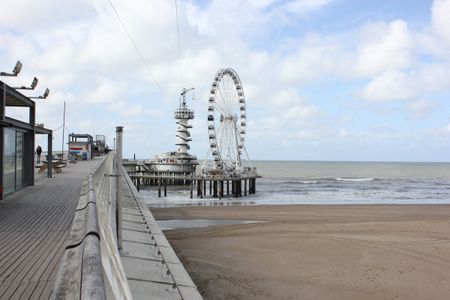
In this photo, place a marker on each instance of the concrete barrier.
(80, 272)
(90, 267)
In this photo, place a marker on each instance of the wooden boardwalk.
(34, 224)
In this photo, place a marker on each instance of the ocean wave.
(353, 179)
(309, 181)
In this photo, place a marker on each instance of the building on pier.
(81, 146)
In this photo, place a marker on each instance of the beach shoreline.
(317, 251)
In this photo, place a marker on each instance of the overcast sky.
(323, 79)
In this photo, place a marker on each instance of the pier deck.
(34, 224)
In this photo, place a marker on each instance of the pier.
(59, 240)
(216, 186)
(34, 225)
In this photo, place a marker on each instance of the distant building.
(81, 146)
(99, 145)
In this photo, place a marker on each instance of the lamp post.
(119, 131)
(64, 125)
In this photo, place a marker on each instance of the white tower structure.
(178, 162)
(183, 114)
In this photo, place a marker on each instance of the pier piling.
(165, 188)
(215, 188)
(240, 185)
(159, 188)
(245, 187)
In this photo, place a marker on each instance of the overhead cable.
(179, 45)
(135, 46)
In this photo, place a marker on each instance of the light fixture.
(33, 85)
(15, 71)
(45, 95)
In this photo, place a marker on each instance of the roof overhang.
(15, 98)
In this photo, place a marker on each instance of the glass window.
(19, 160)
(9, 161)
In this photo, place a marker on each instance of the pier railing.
(90, 267)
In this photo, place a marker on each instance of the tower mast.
(183, 114)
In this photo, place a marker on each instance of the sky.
(323, 79)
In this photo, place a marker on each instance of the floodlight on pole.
(33, 85)
(15, 71)
(44, 96)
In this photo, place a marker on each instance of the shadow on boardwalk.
(34, 224)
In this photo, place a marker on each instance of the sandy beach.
(317, 252)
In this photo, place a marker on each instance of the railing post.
(119, 130)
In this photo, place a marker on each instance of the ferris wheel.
(227, 120)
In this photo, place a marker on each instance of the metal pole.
(64, 125)
(119, 130)
(49, 155)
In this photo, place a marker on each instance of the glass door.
(13, 171)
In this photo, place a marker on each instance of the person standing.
(38, 154)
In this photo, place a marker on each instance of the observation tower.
(183, 114)
(180, 162)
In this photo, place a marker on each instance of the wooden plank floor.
(34, 224)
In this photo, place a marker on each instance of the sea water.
(298, 182)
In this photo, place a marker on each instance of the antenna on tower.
(183, 95)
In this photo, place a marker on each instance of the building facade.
(17, 142)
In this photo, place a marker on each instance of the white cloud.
(302, 7)
(343, 133)
(316, 58)
(421, 108)
(407, 85)
(391, 85)
(440, 12)
(376, 49)
(384, 47)
(301, 112)
(24, 16)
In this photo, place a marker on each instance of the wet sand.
(317, 252)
